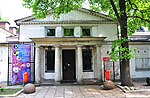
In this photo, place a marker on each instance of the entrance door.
(68, 57)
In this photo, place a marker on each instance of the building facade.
(70, 48)
(4, 38)
(140, 64)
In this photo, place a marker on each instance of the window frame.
(50, 29)
(69, 29)
(89, 32)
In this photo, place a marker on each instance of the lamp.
(87, 48)
(49, 48)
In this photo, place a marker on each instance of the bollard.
(25, 77)
(107, 74)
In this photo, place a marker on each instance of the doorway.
(68, 61)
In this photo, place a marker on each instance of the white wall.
(133, 72)
(3, 63)
(73, 15)
(98, 30)
(4, 34)
(3, 37)
(31, 31)
(107, 30)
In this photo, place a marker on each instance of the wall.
(107, 30)
(3, 63)
(4, 34)
(135, 73)
(31, 31)
(74, 15)
(97, 30)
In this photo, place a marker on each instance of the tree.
(130, 14)
(3, 19)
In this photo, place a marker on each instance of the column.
(80, 64)
(59, 31)
(57, 63)
(37, 64)
(98, 63)
(42, 56)
(77, 31)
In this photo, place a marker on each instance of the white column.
(57, 63)
(59, 31)
(42, 57)
(80, 64)
(98, 63)
(77, 31)
(37, 64)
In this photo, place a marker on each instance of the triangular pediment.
(81, 14)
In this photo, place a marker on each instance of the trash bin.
(107, 74)
(25, 77)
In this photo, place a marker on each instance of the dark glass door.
(68, 57)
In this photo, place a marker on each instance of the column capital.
(98, 45)
(79, 45)
(37, 46)
(57, 46)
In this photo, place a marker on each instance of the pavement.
(140, 90)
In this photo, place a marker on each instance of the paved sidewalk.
(87, 91)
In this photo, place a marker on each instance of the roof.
(12, 27)
(87, 11)
(140, 36)
(4, 22)
(6, 31)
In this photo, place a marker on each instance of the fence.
(113, 68)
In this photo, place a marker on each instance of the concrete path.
(88, 91)
(85, 91)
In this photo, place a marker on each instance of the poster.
(20, 62)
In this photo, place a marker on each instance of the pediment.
(75, 15)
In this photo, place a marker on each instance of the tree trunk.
(124, 67)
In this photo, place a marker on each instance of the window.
(50, 61)
(87, 59)
(68, 32)
(50, 32)
(86, 32)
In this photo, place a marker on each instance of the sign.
(20, 62)
(105, 58)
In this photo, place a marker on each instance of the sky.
(13, 10)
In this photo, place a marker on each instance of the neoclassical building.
(70, 48)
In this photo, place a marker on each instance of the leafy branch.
(118, 52)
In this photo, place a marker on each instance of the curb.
(13, 95)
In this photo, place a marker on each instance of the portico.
(69, 57)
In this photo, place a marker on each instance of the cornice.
(69, 22)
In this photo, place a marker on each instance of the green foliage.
(2, 19)
(118, 52)
(41, 8)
